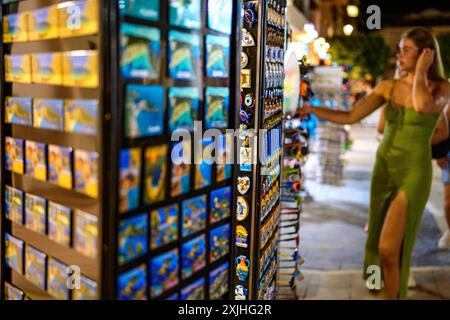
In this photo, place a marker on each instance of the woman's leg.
(390, 246)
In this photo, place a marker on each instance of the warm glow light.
(348, 29)
(352, 11)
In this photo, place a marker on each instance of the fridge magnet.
(59, 228)
(183, 108)
(203, 167)
(57, 279)
(243, 185)
(130, 173)
(164, 272)
(245, 163)
(242, 208)
(12, 293)
(218, 282)
(194, 215)
(140, 51)
(18, 68)
(250, 14)
(185, 14)
(217, 107)
(133, 235)
(14, 204)
(87, 291)
(242, 267)
(86, 234)
(220, 15)
(43, 24)
(220, 204)
(194, 291)
(19, 111)
(181, 168)
(132, 285)
(35, 213)
(35, 263)
(249, 100)
(35, 160)
(246, 78)
(155, 173)
(240, 293)
(164, 226)
(245, 116)
(15, 27)
(80, 69)
(81, 116)
(241, 237)
(14, 253)
(48, 114)
(217, 56)
(46, 68)
(223, 150)
(144, 111)
(86, 172)
(219, 242)
(244, 60)
(193, 256)
(79, 18)
(184, 55)
(141, 9)
(14, 154)
(247, 39)
(60, 166)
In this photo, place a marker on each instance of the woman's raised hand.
(425, 61)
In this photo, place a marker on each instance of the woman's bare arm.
(380, 126)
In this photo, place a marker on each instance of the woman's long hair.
(424, 38)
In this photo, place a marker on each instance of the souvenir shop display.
(255, 231)
(98, 99)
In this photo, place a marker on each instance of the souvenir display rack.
(147, 227)
(257, 213)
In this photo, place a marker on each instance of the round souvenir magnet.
(244, 60)
(250, 15)
(249, 101)
(244, 116)
(242, 209)
(243, 185)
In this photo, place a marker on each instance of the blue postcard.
(193, 256)
(14, 204)
(35, 213)
(194, 215)
(217, 56)
(14, 253)
(164, 226)
(185, 13)
(219, 242)
(181, 169)
(142, 9)
(203, 167)
(35, 263)
(133, 238)
(132, 285)
(48, 114)
(81, 116)
(57, 279)
(164, 272)
(217, 106)
(220, 204)
(183, 108)
(155, 173)
(194, 291)
(184, 55)
(218, 282)
(130, 179)
(220, 15)
(87, 291)
(19, 111)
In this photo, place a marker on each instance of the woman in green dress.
(401, 179)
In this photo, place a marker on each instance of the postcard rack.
(99, 201)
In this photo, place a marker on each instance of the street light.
(352, 11)
(348, 29)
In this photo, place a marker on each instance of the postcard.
(48, 114)
(81, 116)
(35, 213)
(12, 293)
(141, 9)
(36, 160)
(18, 68)
(183, 108)
(220, 204)
(35, 263)
(217, 106)
(164, 226)
(19, 111)
(194, 215)
(133, 238)
(86, 172)
(132, 285)
(155, 173)
(193, 256)
(14, 153)
(57, 279)
(60, 166)
(59, 229)
(130, 173)
(186, 14)
(217, 56)
(220, 15)
(14, 204)
(219, 242)
(79, 18)
(194, 291)
(164, 272)
(87, 291)
(86, 234)
(14, 253)
(181, 168)
(15, 27)
(184, 55)
(218, 282)
(80, 69)
(46, 68)
(43, 24)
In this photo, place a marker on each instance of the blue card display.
(185, 13)
(183, 108)
(217, 56)
(132, 285)
(195, 291)
(218, 282)
(184, 55)
(193, 256)
(19, 111)
(35, 262)
(81, 116)
(133, 233)
(48, 114)
(164, 226)
(217, 106)
(142, 9)
(144, 111)
(140, 51)
(220, 15)
(220, 204)
(194, 215)
(164, 272)
(219, 242)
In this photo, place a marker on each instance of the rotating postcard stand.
(96, 206)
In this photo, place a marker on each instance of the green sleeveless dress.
(403, 163)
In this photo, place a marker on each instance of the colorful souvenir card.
(12, 293)
(195, 291)
(175, 296)
(43, 24)
(185, 13)
(80, 69)
(36, 160)
(194, 215)
(87, 291)
(15, 27)
(218, 282)
(18, 68)
(14, 153)
(59, 223)
(164, 226)
(217, 107)
(14, 253)
(217, 56)
(81, 116)
(35, 262)
(144, 111)
(57, 279)
(60, 166)
(220, 204)
(47, 68)
(19, 111)
(224, 166)
(14, 204)
(142, 9)
(48, 114)
(140, 51)
(193, 256)
(155, 173)
(86, 234)
(219, 242)
(130, 179)
(184, 55)
(35, 213)
(203, 167)
(133, 238)
(220, 15)
(78, 18)
(181, 168)
(183, 108)
(164, 272)
(86, 172)
(132, 285)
